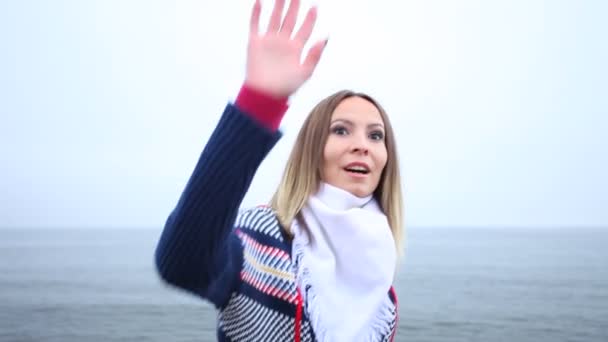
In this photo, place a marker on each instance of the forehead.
(357, 109)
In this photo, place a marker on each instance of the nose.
(360, 144)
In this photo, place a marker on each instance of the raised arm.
(196, 250)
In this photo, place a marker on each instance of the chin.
(359, 191)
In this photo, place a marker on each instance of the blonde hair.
(302, 175)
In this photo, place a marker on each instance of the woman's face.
(355, 153)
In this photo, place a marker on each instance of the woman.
(319, 262)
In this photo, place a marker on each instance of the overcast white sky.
(500, 107)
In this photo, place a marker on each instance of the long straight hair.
(302, 175)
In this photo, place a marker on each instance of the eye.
(339, 130)
(377, 135)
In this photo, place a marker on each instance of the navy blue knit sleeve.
(196, 250)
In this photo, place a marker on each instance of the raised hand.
(274, 59)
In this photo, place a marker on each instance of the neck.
(340, 199)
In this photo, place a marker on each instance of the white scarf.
(345, 258)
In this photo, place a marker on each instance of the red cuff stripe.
(267, 110)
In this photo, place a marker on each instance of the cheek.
(381, 158)
(328, 159)
(330, 153)
(326, 156)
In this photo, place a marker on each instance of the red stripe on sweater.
(270, 251)
(268, 289)
(298, 316)
(396, 313)
(261, 106)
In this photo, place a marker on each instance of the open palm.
(274, 59)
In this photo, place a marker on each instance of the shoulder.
(260, 221)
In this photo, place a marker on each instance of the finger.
(255, 18)
(290, 18)
(307, 26)
(313, 57)
(277, 13)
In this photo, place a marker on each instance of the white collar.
(345, 256)
(340, 199)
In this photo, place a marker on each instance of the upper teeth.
(357, 168)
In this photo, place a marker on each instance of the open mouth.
(357, 170)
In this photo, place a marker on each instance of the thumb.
(313, 57)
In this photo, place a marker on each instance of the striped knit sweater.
(239, 262)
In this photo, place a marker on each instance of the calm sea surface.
(455, 285)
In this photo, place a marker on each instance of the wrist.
(262, 106)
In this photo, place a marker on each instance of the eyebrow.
(350, 123)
